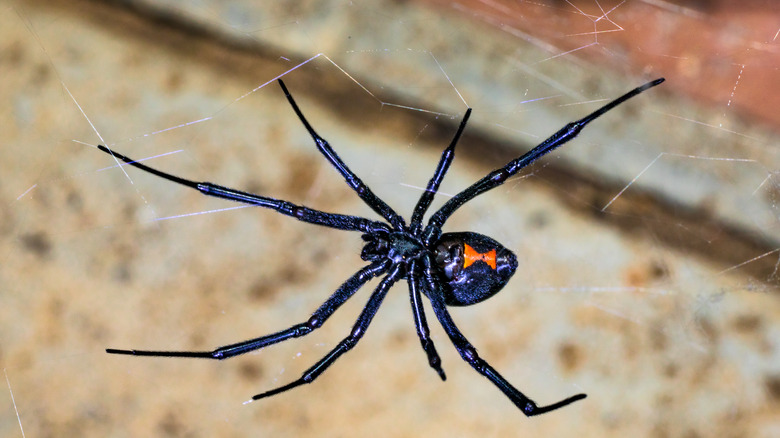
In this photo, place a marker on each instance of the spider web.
(649, 246)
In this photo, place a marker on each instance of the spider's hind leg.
(469, 354)
(342, 294)
(420, 323)
(346, 344)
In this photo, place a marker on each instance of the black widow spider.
(450, 269)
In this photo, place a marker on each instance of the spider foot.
(115, 351)
(195, 354)
(441, 373)
(530, 408)
(280, 389)
(433, 358)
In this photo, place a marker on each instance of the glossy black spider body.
(450, 269)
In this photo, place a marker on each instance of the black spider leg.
(342, 294)
(420, 323)
(438, 175)
(353, 180)
(499, 176)
(305, 214)
(469, 353)
(358, 330)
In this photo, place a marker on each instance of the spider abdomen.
(475, 267)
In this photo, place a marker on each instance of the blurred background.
(649, 247)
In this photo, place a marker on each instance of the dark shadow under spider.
(450, 269)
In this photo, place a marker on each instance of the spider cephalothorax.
(450, 269)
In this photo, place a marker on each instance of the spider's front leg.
(469, 353)
(499, 176)
(363, 191)
(300, 212)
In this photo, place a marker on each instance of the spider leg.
(469, 354)
(438, 175)
(342, 294)
(499, 176)
(420, 323)
(358, 330)
(305, 214)
(353, 180)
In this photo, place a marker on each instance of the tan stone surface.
(663, 342)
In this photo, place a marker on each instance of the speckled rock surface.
(663, 341)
